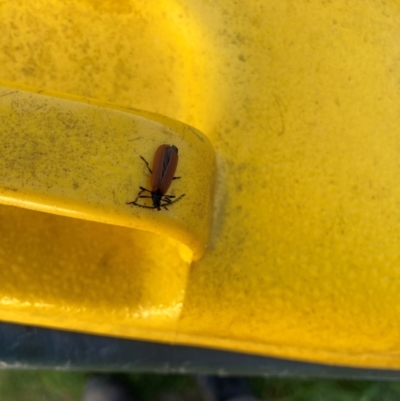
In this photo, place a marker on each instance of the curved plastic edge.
(81, 158)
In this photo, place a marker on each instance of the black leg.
(139, 195)
(169, 202)
(147, 164)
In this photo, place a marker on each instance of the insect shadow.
(162, 175)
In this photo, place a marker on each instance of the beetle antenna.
(170, 202)
(142, 206)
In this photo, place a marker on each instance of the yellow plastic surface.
(79, 159)
(300, 100)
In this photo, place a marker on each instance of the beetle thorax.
(156, 196)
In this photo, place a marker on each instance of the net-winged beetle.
(164, 167)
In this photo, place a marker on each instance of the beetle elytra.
(164, 167)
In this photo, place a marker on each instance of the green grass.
(40, 386)
(68, 386)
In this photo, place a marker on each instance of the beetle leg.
(139, 196)
(147, 164)
(176, 200)
(169, 202)
(167, 198)
(176, 178)
(143, 190)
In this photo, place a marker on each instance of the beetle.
(164, 167)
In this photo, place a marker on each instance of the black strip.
(26, 347)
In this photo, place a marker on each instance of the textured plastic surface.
(73, 157)
(300, 100)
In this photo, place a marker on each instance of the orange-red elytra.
(164, 167)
